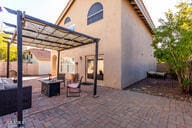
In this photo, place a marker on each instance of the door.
(90, 68)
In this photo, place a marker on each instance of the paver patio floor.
(112, 109)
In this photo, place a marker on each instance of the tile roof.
(41, 54)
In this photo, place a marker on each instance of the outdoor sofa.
(8, 97)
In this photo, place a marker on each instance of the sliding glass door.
(90, 68)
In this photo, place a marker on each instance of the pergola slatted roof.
(42, 34)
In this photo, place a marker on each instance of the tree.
(3, 49)
(172, 43)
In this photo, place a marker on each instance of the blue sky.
(49, 10)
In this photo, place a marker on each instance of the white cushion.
(9, 86)
(8, 81)
(1, 81)
(73, 85)
(2, 86)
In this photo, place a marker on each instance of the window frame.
(67, 66)
(95, 13)
(67, 20)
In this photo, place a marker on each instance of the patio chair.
(74, 89)
(61, 77)
(13, 75)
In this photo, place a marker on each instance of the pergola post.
(58, 63)
(8, 55)
(19, 70)
(95, 68)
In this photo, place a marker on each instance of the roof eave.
(142, 12)
(138, 6)
(65, 10)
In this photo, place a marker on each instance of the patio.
(32, 31)
(113, 109)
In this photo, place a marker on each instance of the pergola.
(35, 32)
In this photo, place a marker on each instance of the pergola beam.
(11, 11)
(57, 27)
(45, 34)
(49, 46)
(10, 25)
(43, 40)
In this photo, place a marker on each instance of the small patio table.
(50, 87)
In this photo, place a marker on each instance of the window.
(68, 19)
(90, 68)
(67, 65)
(27, 57)
(95, 13)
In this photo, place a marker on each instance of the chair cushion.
(2, 87)
(7, 81)
(9, 86)
(1, 81)
(73, 85)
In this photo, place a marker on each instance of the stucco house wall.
(53, 63)
(137, 53)
(28, 68)
(44, 67)
(34, 60)
(107, 29)
(124, 41)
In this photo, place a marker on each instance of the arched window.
(95, 13)
(68, 19)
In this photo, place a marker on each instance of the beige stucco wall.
(44, 67)
(125, 42)
(53, 64)
(34, 59)
(107, 29)
(28, 69)
(137, 54)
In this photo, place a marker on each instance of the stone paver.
(112, 109)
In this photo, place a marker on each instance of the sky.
(157, 8)
(50, 10)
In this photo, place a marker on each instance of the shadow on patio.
(113, 109)
(40, 102)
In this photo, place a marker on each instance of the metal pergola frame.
(21, 37)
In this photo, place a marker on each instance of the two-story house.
(125, 31)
